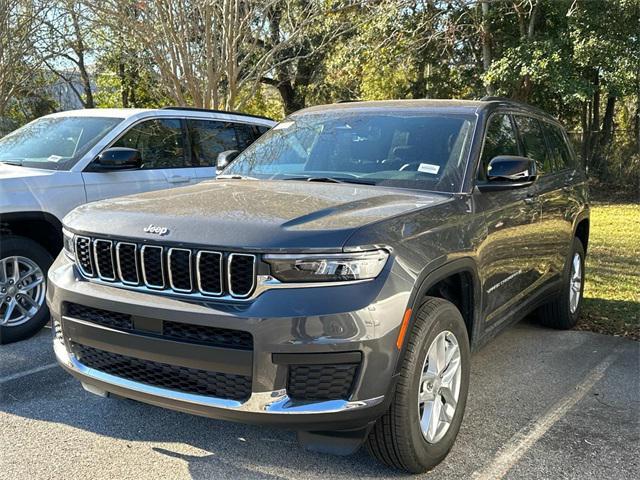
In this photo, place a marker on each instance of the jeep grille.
(179, 270)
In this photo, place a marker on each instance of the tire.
(30, 253)
(559, 312)
(397, 439)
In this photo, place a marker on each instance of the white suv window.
(209, 138)
(161, 143)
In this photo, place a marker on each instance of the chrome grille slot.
(152, 266)
(183, 271)
(180, 269)
(127, 262)
(103, 251)
(209, 272)
(241, 274)
(84, 259)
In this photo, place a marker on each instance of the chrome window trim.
(135, 258)
(91, 260)
(97, 263)
(198, 276)
(170, 268)
(253, 274)
(144, 271)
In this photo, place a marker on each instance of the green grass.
(612, 289)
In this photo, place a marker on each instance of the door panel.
(509, 262)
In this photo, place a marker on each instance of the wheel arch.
(460, 269)
(41, 227)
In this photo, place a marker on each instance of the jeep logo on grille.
(156, 230)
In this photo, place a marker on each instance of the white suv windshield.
(425, 150)
(54, 143)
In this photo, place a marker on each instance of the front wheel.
(23, 269)
(422, 423)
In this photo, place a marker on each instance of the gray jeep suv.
(335, 277)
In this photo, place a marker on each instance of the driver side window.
(160, 142)
(500, 140)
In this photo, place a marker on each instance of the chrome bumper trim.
(276, 402)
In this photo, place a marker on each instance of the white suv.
(60, 161)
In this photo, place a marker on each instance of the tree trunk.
(586, 133)
(486, 44)
(124, 91)
(594, 124)
(607, 122)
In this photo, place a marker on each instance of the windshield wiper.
(236, 177)
(357, 181)
(13, 161)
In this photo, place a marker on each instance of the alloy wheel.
(22, 290)
(439, 387)
(575, 283)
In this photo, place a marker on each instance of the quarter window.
(209, 138)
(500, 140)
(160, 143)
(533, 141)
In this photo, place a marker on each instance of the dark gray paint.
(513, 243)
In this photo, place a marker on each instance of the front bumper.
(303, 324)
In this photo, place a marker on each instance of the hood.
(247, 214)
(15, 174)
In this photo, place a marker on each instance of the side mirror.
(225, 158)
(117, 158)
(509, 171)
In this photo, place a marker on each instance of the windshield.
(409, 149)
(54, 143)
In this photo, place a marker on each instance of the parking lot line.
(524, 439)
(25, 373)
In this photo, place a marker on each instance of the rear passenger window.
(533, 141)
(558, 148)
(208, 139)
(500, 140)
(160, 143)
(245, 135)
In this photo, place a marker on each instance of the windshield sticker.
(429, 168)
(54, 158)
(283, 125)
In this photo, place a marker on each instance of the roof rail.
(208, 110)
(346, 101)
(492, 98)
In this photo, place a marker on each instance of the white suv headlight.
(338, 267)
(69, 244)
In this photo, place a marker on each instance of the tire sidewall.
(25, 247)
(446, 318)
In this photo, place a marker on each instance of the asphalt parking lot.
(542, 404)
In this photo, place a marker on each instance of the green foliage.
(612, 289)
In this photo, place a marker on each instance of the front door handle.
(178, 179)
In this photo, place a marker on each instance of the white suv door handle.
(178, 179)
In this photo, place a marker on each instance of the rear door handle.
(178, 179)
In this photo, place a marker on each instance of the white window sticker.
(283, 125)
(429, 168)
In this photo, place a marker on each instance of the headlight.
(69, 244)
(338, 267)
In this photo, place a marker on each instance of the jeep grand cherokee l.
(336, 276)
(66, 159)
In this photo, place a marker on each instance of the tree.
(209, 53)
(67, 42)
(20, 20)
